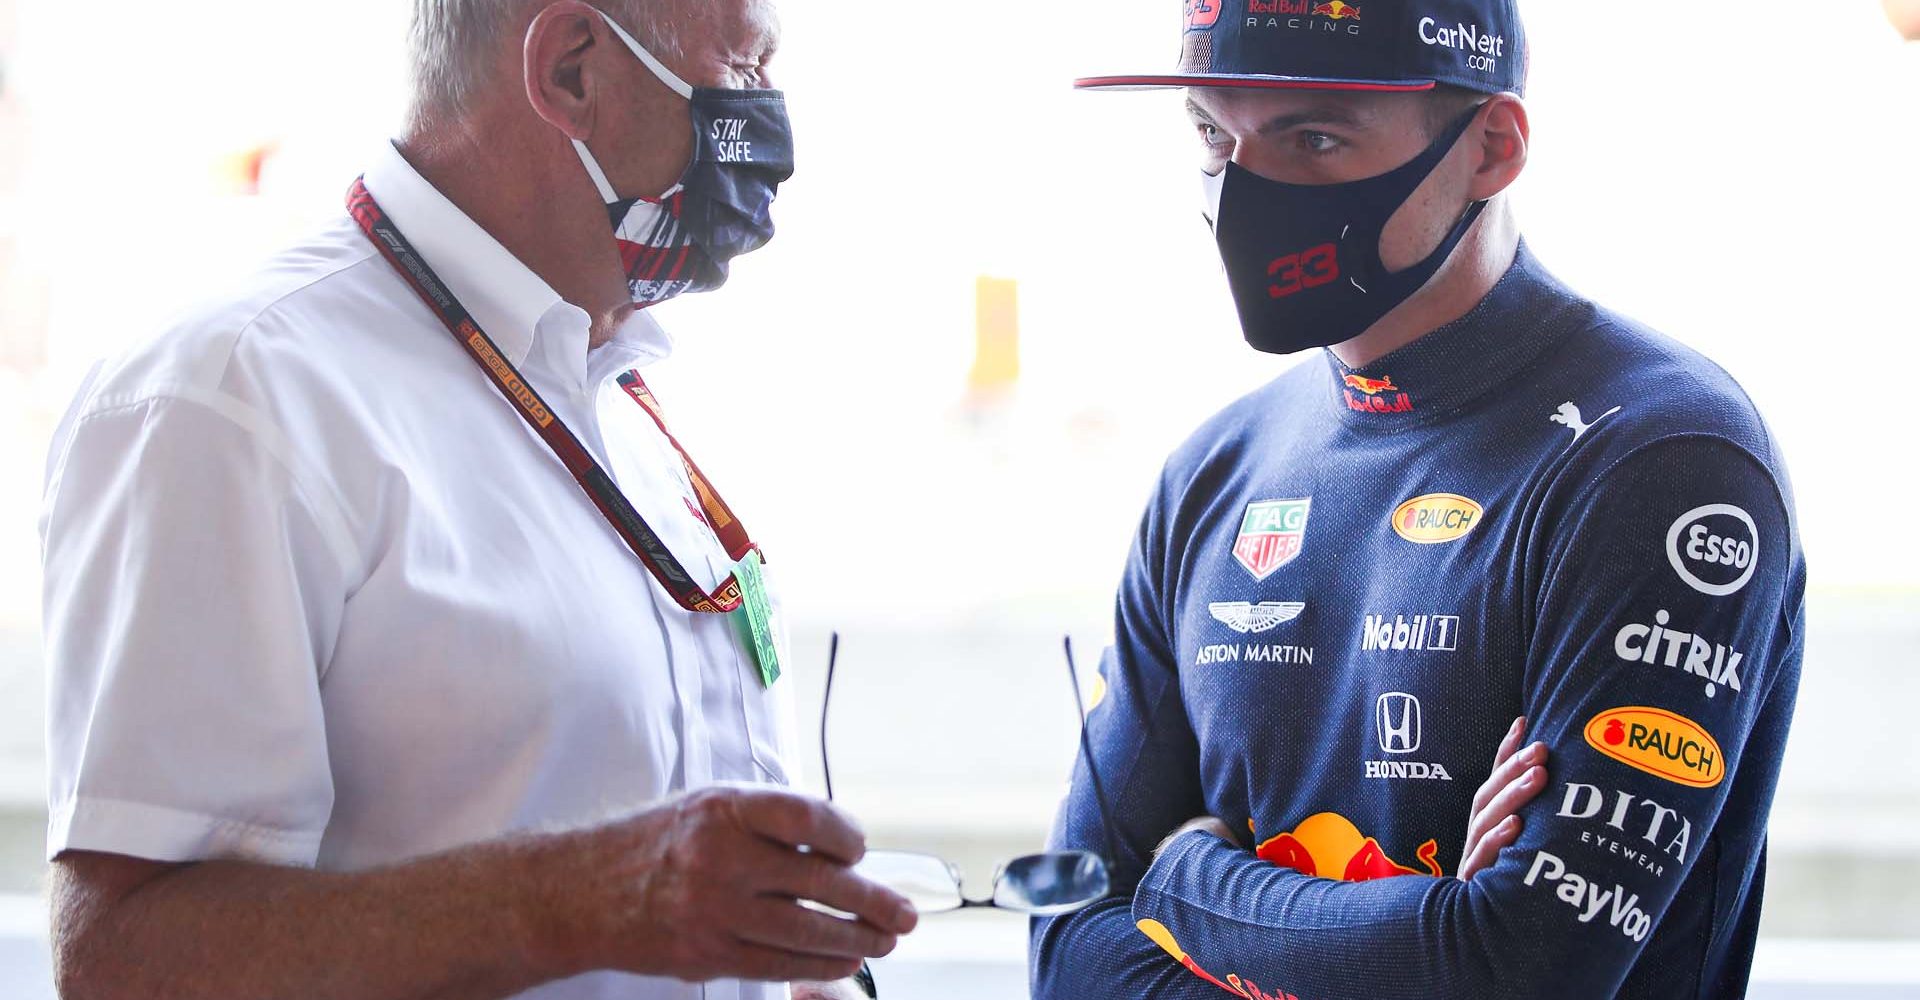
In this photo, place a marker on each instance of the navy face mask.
(1303, 261)
(723, 205)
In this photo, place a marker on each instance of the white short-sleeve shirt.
(316, 595)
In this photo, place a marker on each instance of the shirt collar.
(1525, 313)
(515, 306)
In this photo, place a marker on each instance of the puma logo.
(1569, 417)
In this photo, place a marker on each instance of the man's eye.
(1213, 135)
(1319, 142)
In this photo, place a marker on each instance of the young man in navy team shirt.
(1493, 500)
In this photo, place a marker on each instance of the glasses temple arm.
(826, 701)
(1086, 751)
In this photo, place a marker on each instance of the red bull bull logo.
(1338, 11)
(1243, 988)
(1371, 386)
(1376, 395)
(1328, 845)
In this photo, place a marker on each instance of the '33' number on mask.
(1297, 272)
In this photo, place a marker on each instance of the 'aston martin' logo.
(1254, 619)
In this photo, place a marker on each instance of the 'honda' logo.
(1397, 719)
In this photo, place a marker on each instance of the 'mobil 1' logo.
(1660, 743)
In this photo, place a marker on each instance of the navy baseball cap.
(1367, 45)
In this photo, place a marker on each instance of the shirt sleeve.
(1148, 763)
(192, 596)
(1667, 595)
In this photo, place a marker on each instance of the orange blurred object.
(240, 172)
(1905, 15)
(996, 359)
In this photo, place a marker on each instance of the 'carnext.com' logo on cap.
(1483, 49)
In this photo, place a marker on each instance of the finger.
(760, 963)
(1504, 774)
(1511, 742)
(799, 821)
(811, 876)
(788, 926)
(1482, 854)
(1509, 745)
(1524, 788)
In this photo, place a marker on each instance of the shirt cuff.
(156, 833)
(1177, 853)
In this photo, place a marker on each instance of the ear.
(559, 44)
(1504, 137)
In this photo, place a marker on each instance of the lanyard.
(593, 479)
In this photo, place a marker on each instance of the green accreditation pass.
(756, 616)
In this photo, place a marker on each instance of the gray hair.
(452, 44)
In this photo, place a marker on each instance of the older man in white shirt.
(398, 651)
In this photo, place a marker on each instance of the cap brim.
(1247, 81)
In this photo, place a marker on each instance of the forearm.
(1403, 937)
(1100, 951)
(466, 925)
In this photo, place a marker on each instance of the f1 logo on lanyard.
(744, 589)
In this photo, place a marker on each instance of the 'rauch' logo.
(1660, 743)
(1271, 535)
(1436, 518)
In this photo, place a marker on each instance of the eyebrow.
(1322, 114)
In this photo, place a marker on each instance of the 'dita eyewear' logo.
(1437, 518)
(1660, 743)
(1271, 535)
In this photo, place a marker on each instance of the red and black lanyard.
(593, 479)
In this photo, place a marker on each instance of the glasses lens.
(1051, 884)
(927, 882)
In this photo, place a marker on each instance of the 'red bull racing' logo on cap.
(1305, 15)
(1330, 846)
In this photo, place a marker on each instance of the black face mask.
(1303, 261)
(723, 205)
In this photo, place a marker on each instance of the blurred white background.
(1742, 176)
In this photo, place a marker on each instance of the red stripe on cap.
(1094, 82)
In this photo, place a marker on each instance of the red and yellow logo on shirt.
(1659, 742)
(1246, 990)
(1437, 518)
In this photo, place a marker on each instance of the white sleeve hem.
(157, 833)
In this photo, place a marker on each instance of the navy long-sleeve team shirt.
(1348, 585)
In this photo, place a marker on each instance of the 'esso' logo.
(1715, 548)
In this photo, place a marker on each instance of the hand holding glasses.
(1046, 884)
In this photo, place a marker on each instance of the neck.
(1475, 267)
(553, 223)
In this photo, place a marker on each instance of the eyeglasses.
(1046, 884)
